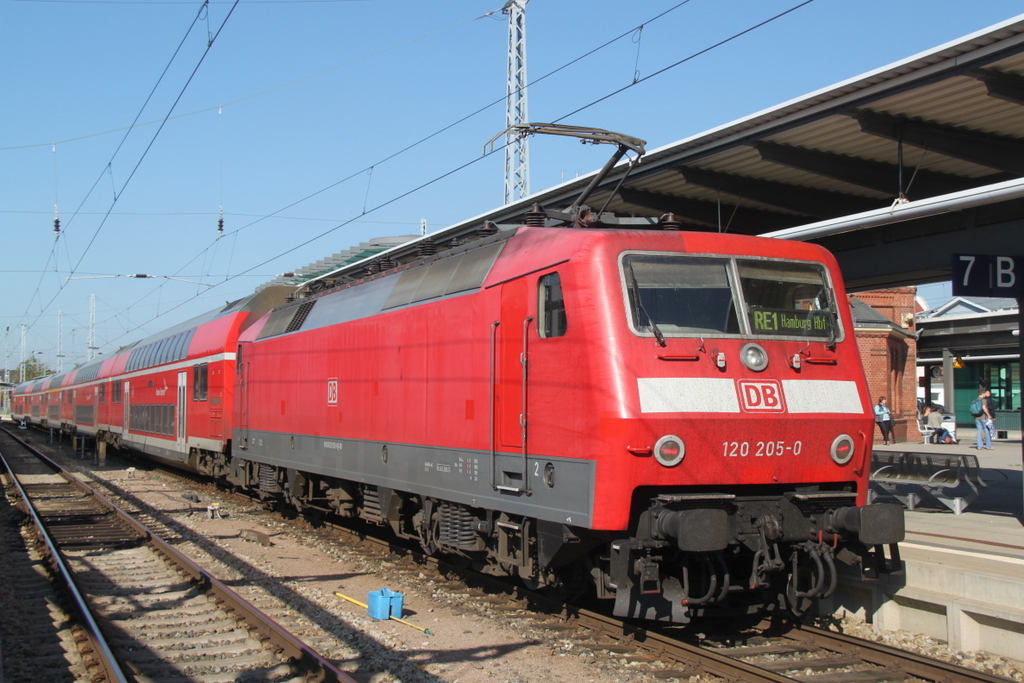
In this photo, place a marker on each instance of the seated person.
(933, 418)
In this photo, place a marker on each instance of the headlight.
(669, 450)
(842, 449)
(754, 357)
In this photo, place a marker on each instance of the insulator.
(56, 225)
(490, 228)
(374, 267)
(220, 225)
(536, 216)
(388, 264)
(427, 247)
(670, 222)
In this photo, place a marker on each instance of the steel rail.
(911, 663)
(107, 660)
(693, 658)
(296, 650)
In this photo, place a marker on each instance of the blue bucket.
(384, 604)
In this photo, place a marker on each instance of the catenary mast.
(517, 159)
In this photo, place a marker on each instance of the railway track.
(150, 613)
(799, 653)
(796, 653)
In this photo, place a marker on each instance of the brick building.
(884, 325)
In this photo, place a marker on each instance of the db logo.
(332, 391)
(761, 395)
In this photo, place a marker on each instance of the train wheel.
(428, 527)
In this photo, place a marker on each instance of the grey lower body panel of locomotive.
(552, 489)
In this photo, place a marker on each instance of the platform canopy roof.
(892, 170)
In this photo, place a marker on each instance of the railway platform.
(963, 579)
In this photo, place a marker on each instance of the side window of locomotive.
(680, 295)
(788, 299)
(551, 307)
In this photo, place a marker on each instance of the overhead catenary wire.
(423, 140)
(463, 119)
(142, 157)
(107, 166)
(135, 124)
(686, 59)
(220, 135)
(176, 2)
(56, 203)
(252, 95)
(497, 148)
(467, 164)
(209, 213)
(152, 140)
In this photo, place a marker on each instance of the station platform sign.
(988, 275)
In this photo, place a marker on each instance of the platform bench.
(938, 474)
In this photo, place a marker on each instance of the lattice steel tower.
(517, 158)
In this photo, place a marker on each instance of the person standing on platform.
(883, 417)
(990, 408)
(982, 414)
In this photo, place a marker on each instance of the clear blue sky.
(291, 121)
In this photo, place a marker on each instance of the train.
(676, 422)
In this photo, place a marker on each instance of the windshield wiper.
(640, 306)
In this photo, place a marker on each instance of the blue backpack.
(977, 408)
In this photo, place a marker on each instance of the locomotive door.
(242, 397)
(510, 388)
(182, 405)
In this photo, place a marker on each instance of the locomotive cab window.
(680, 295)
(551, 307)
(786, 298)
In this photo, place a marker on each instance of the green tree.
(31, 368)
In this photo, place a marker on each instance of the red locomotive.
(679, 419)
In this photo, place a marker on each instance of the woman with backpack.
(883, 418)
(982, 415)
